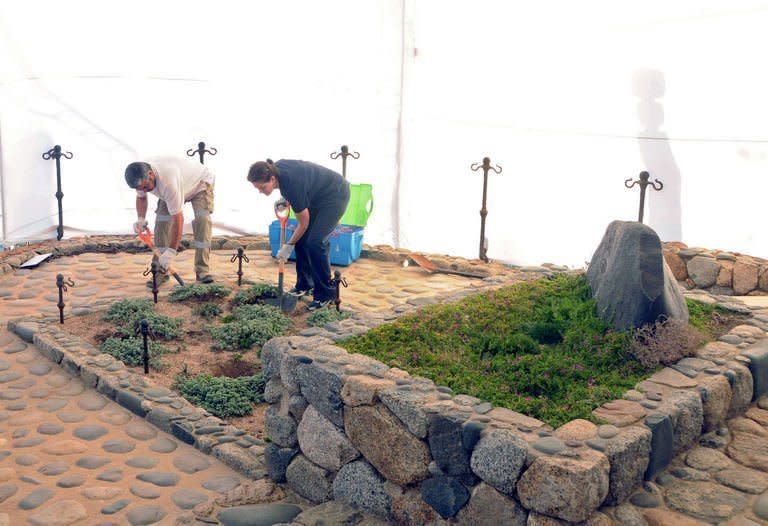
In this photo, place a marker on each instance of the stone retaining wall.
(724, 273)
(346, 427)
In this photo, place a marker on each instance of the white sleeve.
(173, 194)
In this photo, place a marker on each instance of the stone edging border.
(454, 454)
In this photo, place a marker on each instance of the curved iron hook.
(67, 155)
(630, 185)
(475, 166)
(496, 169)
(661, 185)
(191, 152)
(355, 155)
(147, 272)
(213, 152)
(335, 155)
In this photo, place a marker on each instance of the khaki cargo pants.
(202, 206)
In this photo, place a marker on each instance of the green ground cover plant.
(322, 316)
(127, 314)
(199, 292)
(535, 347)
(254, 294)
(130, 351)
(221, 395)
(207, 310)
(248, 326)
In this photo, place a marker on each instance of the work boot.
(204, 278)
(162, 277)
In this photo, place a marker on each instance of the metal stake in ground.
(344, 154)
(153, 269)
(486, 166)
(201, 151)
(57, 154)
(62, 285)
(643, 182)
(240, 256)
(145, 352)
(337, 282)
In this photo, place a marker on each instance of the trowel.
(286, 302)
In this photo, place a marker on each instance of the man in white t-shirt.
(175, 181)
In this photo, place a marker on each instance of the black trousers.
(313, 262)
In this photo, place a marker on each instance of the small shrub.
(160, 326)
(245, 333)
(664, 342)
(322, 316)
(124, 311)
(130, 351)
(207, 310)
(222, 396)
(258, 312)
(199, 292)
(254, 294)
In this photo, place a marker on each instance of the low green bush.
(207, 310)
(254, 294)
(131, 350)
(246, 331)
(221, 395)
(123, 312)
(320, 317)
(160, 326)
(199, 292)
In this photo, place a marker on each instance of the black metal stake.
(643, 182)
(145, 352)
(201, 151)
(486, 166)
(57, 154)
(240, 256)
(344, 154)
(153, 269)
(337, 282)
(62, 285)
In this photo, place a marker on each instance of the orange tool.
(146, 236)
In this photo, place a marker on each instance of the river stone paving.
(69, 455)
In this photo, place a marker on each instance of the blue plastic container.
(346, 241)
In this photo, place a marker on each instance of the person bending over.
(319, 198)
(175, 181)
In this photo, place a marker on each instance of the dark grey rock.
(280, 428)
(50, 429)
(145, 491)
(91, 402)
(111, 509)
(7, 490)
(630, 279)
(28, 442)
(446, 444)
(118, 446)
(51, 469)
(309, 480)
(70, 417)
(54, 404)
(221, 483)
(35, 498)
(445, 495)
(40, 369)
(163, 479)
(27, 460)
(322, 389)
(186, 499)
(645, 499)
(359, 485)
(499, 457)
(163, 445)
(131, 402)
(142, 462)
(760, 508)
(144, 515)
(662, 443)
(72, 480)
(277, 460)
(191, 463)
(758, 366)
(92, 462)
(258, 514)
(112, 475)
(90, 432)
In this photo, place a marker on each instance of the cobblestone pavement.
(69, 455)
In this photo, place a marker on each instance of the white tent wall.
(569, 98)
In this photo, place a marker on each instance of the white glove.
(140, 225)
(285, 252)
(166, 258)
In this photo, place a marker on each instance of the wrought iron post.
(486, 166)
(153, 269)
(337, 282)
(145, 352)
(57, 154)
(201, 151)
(240, 256)
(643, 182)
(62, 286)
(344, 153)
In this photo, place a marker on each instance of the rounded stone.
(158, 478)
(54, 468)
(27, 460)
(90, 432)
(70, 417)
(644, 499)
(760, 508)
(144, 515)
(7, 490)
(91, 402)
(191, 463)
(112, 475)
(72, 480)
(59, 513)
(118, 446)
(36, 498)
(92, 462)
(40, 392)
(40, 369)
(50, 429)
(259, 514)
(221, 483)
(115, 417)
(549, 445)
(54, 404)
(111, 509)
(10, 395)
(101, 492)
(142, 462)
(186, 499)
(140, 431)
(607, 431)
(57, 380)
(163, 445)
(145, 491)
(65, 447)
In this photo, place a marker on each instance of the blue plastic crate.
(346, 241)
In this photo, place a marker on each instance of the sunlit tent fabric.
(570, 99)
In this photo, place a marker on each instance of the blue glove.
(285, 252)
(166, 258)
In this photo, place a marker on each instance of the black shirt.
(309, 185)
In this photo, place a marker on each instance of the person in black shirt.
(319, 198)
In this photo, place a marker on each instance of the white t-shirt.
(177, 180)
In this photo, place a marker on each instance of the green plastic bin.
(360, 205)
